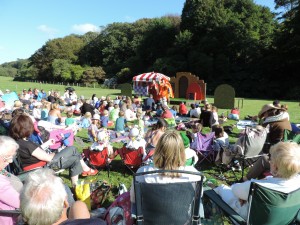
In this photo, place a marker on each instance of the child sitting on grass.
(121, 123)
(69, 120)
(104, 118)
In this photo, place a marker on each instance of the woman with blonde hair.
(169, 155)
(284, 165)
(54, 115)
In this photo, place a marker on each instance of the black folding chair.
(168, 203)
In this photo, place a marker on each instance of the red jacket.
(182, 109)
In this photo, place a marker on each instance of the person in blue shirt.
(104, 118)
(173, 110)
(121, 123)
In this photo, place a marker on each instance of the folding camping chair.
(132, 159)
(291, 136)
(98, 159)
(250, 145)
(168, 203)
(266, 206)
(203, 144)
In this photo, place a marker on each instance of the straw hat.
(266, 108)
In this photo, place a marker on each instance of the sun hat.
(266, 108)
(96, 117)
(185, 139)
(134, 132)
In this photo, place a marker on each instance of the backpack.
(119, 212)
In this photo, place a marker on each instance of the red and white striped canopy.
(149, 77)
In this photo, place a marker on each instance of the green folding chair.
(266, 206)
(289, 135)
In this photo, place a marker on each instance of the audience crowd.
(37, 121)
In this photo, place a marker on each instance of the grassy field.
(250, 107)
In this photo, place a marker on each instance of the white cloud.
(1, 48)
(47, 30)
(84, 28)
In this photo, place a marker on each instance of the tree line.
(220, 41)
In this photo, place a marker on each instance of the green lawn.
(250, 107)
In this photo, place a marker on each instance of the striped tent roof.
(149, 77)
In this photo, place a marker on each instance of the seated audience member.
(194, 112)
(37, 111)
(285, 166)
(114, 113)
(182, 109)
(169, 155)
(196, 128)
(234, 114)
(136, 141)
(85, 121)
(276, 119)
(159, 110)
(152, 136)
(10, 186)
(214, 110)
(45, 110)
(69, 120)
(174, 110)
(166, 113)
(121, 123)
(221, 138)
(190, 154)
(129, 113)
(54, 115)
(86, 107)
(104, 118)
(139, 122)
(44, 201)
(207, 117)
(33, 156)
(103, 143)
(94, 128)
(149, 102)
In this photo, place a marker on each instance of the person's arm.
(241, 190)
(42, 155)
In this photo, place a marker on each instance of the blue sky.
(27, 24)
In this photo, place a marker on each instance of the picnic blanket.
(242, 124)
(59, 136)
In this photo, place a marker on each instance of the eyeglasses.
(7, 159)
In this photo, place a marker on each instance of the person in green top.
(69, 120)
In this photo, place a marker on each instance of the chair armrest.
(233, 215)
(297, 220)
(10, 212)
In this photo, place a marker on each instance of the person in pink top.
(10, 186)
(167, 114)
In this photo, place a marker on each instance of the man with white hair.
(44, 202)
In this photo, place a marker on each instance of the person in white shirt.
(195, 111)
(285, 166)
